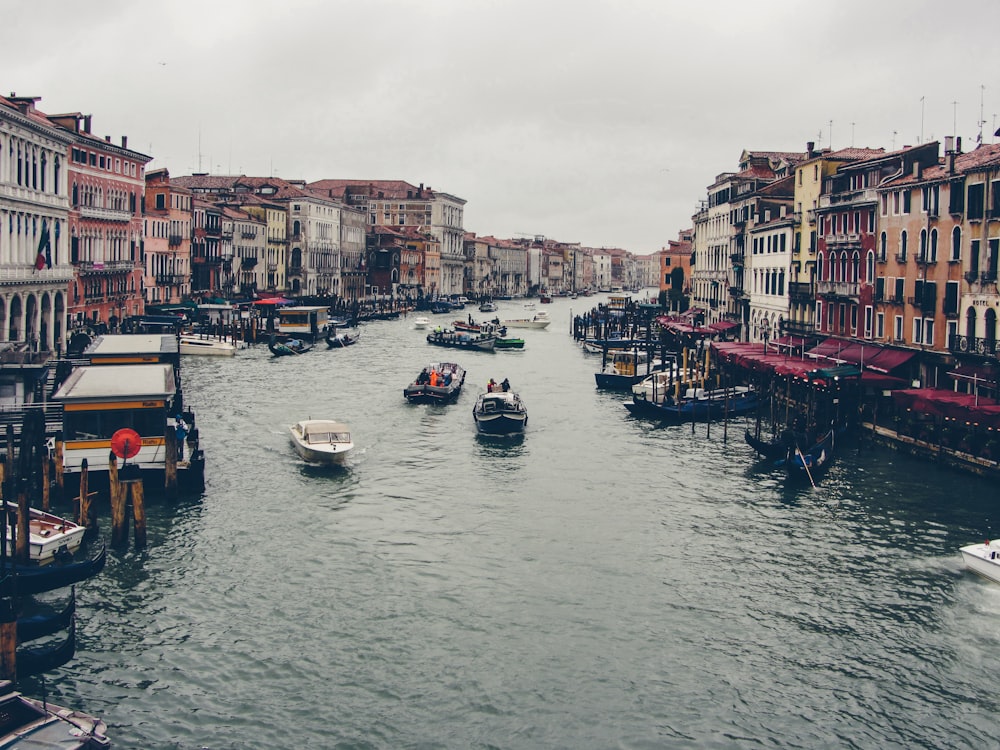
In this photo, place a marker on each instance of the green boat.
(509, 344)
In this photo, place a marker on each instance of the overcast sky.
(592, 121)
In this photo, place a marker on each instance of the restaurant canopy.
(962, 407)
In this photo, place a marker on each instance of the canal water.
(603, 582)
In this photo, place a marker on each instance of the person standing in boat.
(491, 386)
(505, 385)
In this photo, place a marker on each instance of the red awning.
(959, 406)
(827, 348)
(888, 360)
(792, 342)
(723, 325)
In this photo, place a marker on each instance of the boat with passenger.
(437, 383)
(500, 412)
(462, 339)
(288, 346)
(321, 441)
(336, 340)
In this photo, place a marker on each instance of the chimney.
(951, 162)
(124, 141)
(86, 123)
(917, 169)
(958, 144)
(810, 146)
(949, 143)
(107, 139)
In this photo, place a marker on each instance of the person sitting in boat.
(505, 385)
(433, 378)
(447, 378)
(424, 377)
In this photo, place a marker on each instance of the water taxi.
(983, 559)
(321, 441)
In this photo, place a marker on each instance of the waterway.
(603, 582)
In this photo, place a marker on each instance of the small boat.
(46, 657)
(500, 413)
(440, 307)
(49, 535)
(46, 623)
(462, 340)
(769, 450)
(288, 346)
(808, 463)
(509, 343)
(623, 369)
(336, 340)
(983, 559)
(321, 441)
(421, 322)
(545, 299)
(31, 723)
(447, 378)
(540, 319)
(699, 405)
(192, 343)
(488, 307)
(657, 387)
(37, 579)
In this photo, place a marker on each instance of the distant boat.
(288, 347)
(500, 413)
(192, 343)
(540, 319)
(462, 340)
(487, 307)
(699, 405)
(509, 343)
(336, 340)
(421, 322)
(321, 441)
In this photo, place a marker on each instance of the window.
(950, 298)
(870, 266)
(918, 330)
(956, 244)
(902, 246)
(929, 331)
(934, 246)
(897, 328)
(880, 325)
(975, 202)
(907, 197)
(952, 333)
(923, 245)
(882, 242)
(974, 257)
(956, 197)
(868, 321)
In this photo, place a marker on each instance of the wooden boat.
(336, 340)
(983, 559)
(500, 413)
(321, 441)
(44, 624)
(17, 580)
(288, 346)
(49, 535)
(699, 405)
(808, 463)
(540, 319)
(420, 391)
(45, 658)
(462, 340)
(769, 450)
(192, 343)
(33, 724)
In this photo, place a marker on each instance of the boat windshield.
(328, 437)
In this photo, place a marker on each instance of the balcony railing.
(800, 290)
(901, 257)
(174, 240)
(104, 266)
(974, 345)
(170, 279)
(105, 214)
(837, 288)
(798, 327)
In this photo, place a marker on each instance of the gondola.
(808, 463)
(38, 659)
(336, 340)
(290, 346)
(768, 450)
(36, 579)
(41, 625)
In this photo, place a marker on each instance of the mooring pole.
(119, 529)
(138, 512)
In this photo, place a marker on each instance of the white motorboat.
(322, 441)
(540, 319)
(983, 559)
(49, 535)
(421, 322)
(500, 413)
(192, 343)
(656, 387)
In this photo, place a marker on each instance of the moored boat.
(623, 369)
(49, 535)
(37, 579)
(437, 383)
(31, 723)
(769, 450)
(983, 559)
(321, 441)
(699, 405)
(540, 319)
(500, 413)
(192, 343)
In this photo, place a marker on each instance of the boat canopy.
(325, 431)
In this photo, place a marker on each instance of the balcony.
(798, 328)
(248, 263)
(737, 259)
(868, 195)
(105, 214)
(799, 290)
(974, 345)
(170, 279)
(988, 277)
(174, 240)
(847, 289)
(901, 257)
(91, 267)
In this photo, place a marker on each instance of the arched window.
(843, 266)
(870, 267)
(883, 242)
(970, 323)
(956, 243)
(990, 332)
(923, 245)
(855, 265)
(819, 267)
(902, 246)
(934, 245)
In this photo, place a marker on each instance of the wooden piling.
(46, 480)
(170, 468)
(78, 503)
(60, 479)
(119, 511)
(23, 547)
(8, 639)
(138, 512)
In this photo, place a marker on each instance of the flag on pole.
(43, 244)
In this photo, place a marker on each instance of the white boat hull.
(48, 535)
(321, 441)
(519, 323)
(983, 559)
(206, 346)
